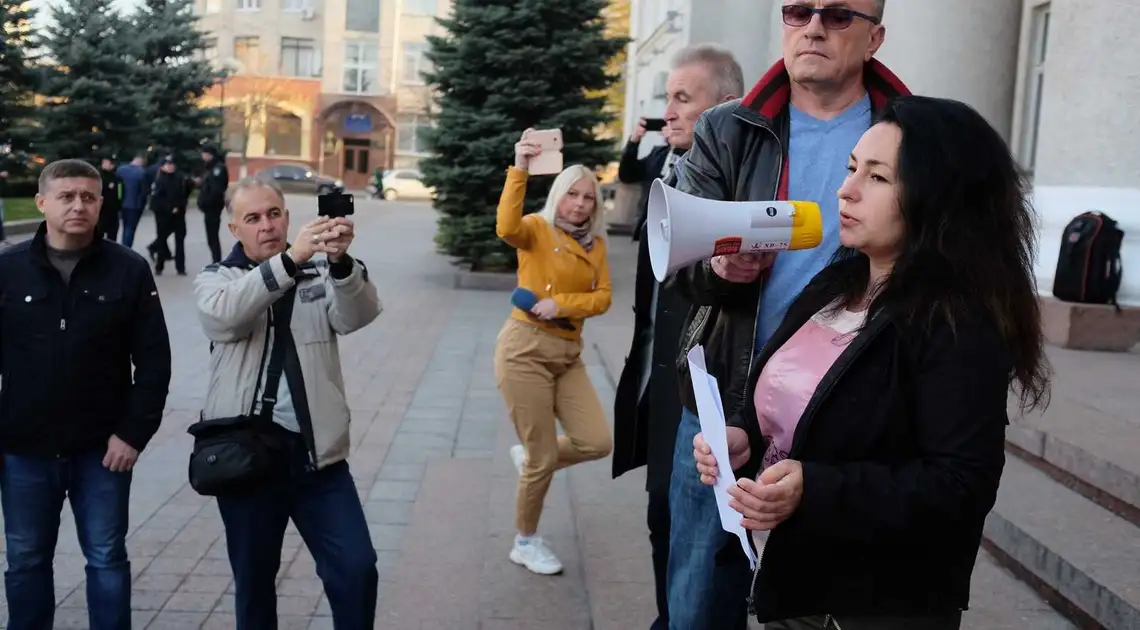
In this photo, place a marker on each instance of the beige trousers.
(543, 381)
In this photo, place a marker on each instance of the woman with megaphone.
(872, 443)
(538, 364)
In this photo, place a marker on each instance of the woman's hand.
(738, 454)
(525, 150)
(772, 498)
(546, 308)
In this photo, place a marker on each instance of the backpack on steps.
(1089, 268)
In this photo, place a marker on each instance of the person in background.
(538, 362)
(270, 296)
(3, 195)
(906, 346)
(112, 200)
(789, 138)
(86, 364)
(212, 187)
(169, 198)
(135, 192)
(647, 404)
(658, 163)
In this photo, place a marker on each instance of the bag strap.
(282, 316)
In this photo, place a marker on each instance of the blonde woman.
(538, 364)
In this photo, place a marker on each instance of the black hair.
(968, 244)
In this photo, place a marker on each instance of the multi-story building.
(1059, 78)
(331, 84)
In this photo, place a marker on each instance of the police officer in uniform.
(212, 197)
(169, 197)
(112, 200)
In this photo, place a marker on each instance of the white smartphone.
(549, 162)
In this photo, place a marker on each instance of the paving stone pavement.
(430, 438)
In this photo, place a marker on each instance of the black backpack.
(1088, 267)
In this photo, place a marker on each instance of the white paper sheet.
(710, 411)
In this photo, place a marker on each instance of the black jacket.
(641, 171)
(66, 351)
(170, 191)
(112, 194)
(739, 153)
(902, 451)
(645, 424)
(212, 191)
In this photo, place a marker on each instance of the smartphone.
(654, 124)
(334, 205)
(549, 162)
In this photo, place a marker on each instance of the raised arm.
(229, 306)
(354, 302)
(510, 224)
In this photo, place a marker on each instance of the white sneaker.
(518, 456)
(536, 557)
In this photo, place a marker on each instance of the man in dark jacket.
(789, 138)
(78, 313)
(169, 198)
(212, 197)
(135, 192)
(112, 201)
(647, 407)
(642, 171)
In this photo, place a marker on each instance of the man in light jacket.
(242, 304)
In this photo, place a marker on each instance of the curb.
(25, 226)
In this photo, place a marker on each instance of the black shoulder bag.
(236, 454)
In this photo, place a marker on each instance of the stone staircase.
(1067, 520)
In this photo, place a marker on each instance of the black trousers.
(213, 221)
(657, 517)
(943, 622)
(168, 223)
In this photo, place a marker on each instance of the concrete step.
(1084, 559)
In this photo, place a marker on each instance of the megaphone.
(684, 229)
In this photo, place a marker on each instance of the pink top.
(793, 372)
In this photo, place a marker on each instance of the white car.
(405, 183)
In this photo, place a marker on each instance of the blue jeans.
(32, 490)
(708, 576)
(327, 511)
(131, 217)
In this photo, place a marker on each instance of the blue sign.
(358, 123)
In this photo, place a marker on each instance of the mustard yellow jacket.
(551, 263)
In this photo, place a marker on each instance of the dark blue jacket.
(135, 186)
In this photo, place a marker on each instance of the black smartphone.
(334, 204)
(654, 124)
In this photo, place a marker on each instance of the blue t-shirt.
(817, 162)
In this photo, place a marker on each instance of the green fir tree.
(92, 107)
(19, 77)
(171, 77)
(503, 66)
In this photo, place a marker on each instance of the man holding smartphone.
(634, 170)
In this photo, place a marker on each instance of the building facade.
(333, 85)
(1060, 79)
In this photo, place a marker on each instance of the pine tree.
(506, 65)
(91, 107)
(172, 76)
(18, 75)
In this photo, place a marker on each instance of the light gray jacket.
(233, 300)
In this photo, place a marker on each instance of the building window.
(415, 62)
(247, 52)
(296, 6)
(212, 6)
(209, 50)
(282, 133)
(411, 133)
(421, 7)
(1034, 84)
(363, 16)
(249, 5)
(361, 75)
(299, 58)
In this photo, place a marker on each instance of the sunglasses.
(833, 18)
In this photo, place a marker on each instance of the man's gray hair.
(725, 70)
(247, 183)
(880, 6)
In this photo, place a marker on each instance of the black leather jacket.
(739, 153)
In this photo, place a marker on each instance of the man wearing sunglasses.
(790, 138)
